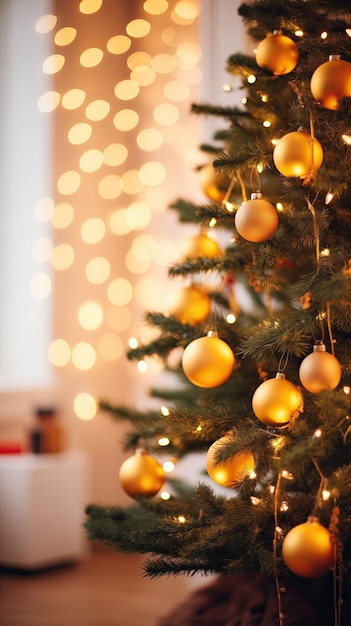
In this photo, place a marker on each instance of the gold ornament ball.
(276, 401)
(232, 471)
(278, 54)
(331, 81)
(256, 219)
(213, 184)
(208, 361)
(320, 370)
(297, 154)
(307, 549)
(141, 475)
(189, 305)
(200, 246)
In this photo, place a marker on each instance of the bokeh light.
(126, 119)
(138, 28)
(62, 256)
(90, 315)
(110, 347)
(97, 110)
(119, 291)
(53, 64)
(59, 352)
(90, 6)
(40, 285)
(68, 182)
(65, 36)
(83, 355)
(79, 133)
(44, 209)
(73, 99)
(63, 215)
(93, 230)
(49, 101)
(98, 270)
(115, 154)
(118, 44)
(85, 406)
(91, 57)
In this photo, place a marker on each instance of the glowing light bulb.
(165, 495)
(255, 501)
(284, 506)
(212, 222)
(251, 79)
(181, 519)
(326, 495)
(299, 33)
(324, 35)
(287, 475)
(163, 441)
(266, 124)
(142, 367)
(168, 466)
(226, 87)
(346, 389)
(317, 433)
(164, 411)
(231, 319)
(133, 343)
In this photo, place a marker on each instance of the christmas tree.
(259, 342)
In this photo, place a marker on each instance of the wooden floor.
(106, 589)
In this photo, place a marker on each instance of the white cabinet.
(42, 502)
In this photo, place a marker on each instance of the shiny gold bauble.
(277, 53)
(307, 549)
(297, 154)
(208, 361)
(200, 246)
(256, 219)
(141, 475)
(276, 401)
(320, 370)
(189, 305)
(232, 471)
(213, 184)
(331, 81)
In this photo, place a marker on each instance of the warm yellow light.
(65, 36)
(119, 223)
(279, 207)
(90, 315)
(83, 356)
(143, 76)
(49, 101)
(97, 110)
(185, 12)
(138, 28)
(318, 433)
(68, 183)
(62, 257)
(299, 32)
(110, 187)
(119, 44)
(346, 139)
(155, 7)
(284, 506)
(110, 347)
(93, 230)
(136, 265)
(53, 64)
(119, 292)
(63, 215)
(126, 120)
(348, 31)
(90, 6)
(149, 139)
(85, 406)
(163, 63)
(231, 319)
(59, 353)
(165, 252)
(45, 23)
(79, 133)
(267, 124)
(139, 60)
(181, 519)
(91, 57)
(73, 99)
(325, 252)
(324, 35)
(132, 182)
(326, 495)
(40, 285)
(164, 411)
(346, 389)
(91, 160)
(226, 87)
(166, 114)
(152, 173)
(287, 475)
(98, 270)
(115, 154)
(251, 79)
(126, 90)
(138, 215)
(260, 168)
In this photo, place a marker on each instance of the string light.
(299, 33)
(229, 206)
(255, 501)
(168, 466)
(325, 495)
(181, 519)
(325, 252)
(260, 168)
(251, 79)
(165, 495)
(226, 87)
(287, 475)
(346, 389)
(346, 139)
(317, 433)
(267, 124)
(324, 35)
(133, 343)
(244, 100)
(348, 31)
(231, 319)
(198, 428)
(284, 506)
(142, 367)
(163, 441)
(279, 207)
(164, 411)
(212, 222)
(329, 196)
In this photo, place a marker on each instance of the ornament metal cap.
(212, 333)
(256, 195)
(280, 375)
(334, 57)
(319, 347)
